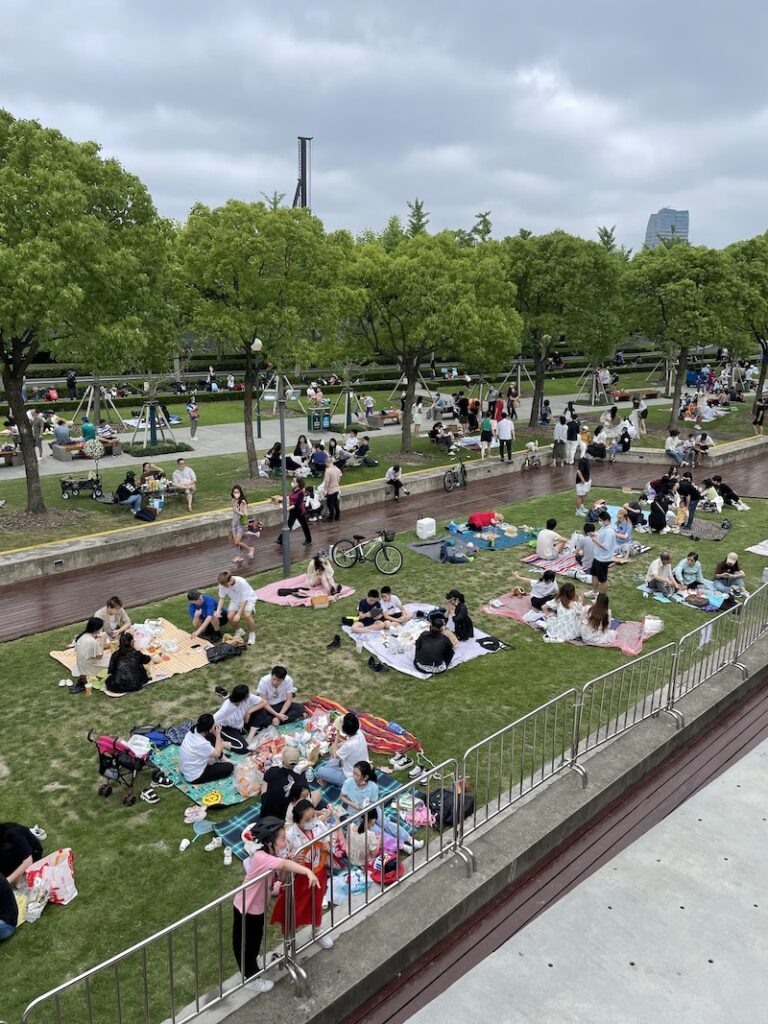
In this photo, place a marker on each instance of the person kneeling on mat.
(434, 647)
(201, 758)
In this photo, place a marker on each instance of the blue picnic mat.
(231, 829)
(501, 540)
(714, 597)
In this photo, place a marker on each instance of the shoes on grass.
(39, 833)
(149, 796)
(221, 692)
(336, 642)
(251, 639)
(214, 844)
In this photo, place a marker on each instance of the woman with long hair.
(90, 658)
(306, 828)
(596, 624)
(127, 671)
(302, 449)
(239, 523)
(564, 622)
(297, 511)
(320, 573)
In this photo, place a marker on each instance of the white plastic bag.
(56, 874)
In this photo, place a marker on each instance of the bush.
(163, 448)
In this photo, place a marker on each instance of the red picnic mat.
(379, 736)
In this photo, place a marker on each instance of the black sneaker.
(336, 642)
(346, 621)
(221, 692)
(77, 688)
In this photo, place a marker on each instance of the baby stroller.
(531, 459)
(117, 764)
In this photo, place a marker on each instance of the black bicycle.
(456, 476)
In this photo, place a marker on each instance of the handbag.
(222, 651)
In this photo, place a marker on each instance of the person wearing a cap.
(87, 429)
(434, 649)
(458, 615)
(268, 836)
(730, 577)
(206, 620)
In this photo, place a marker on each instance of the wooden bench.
(65, 452)
(624, 394)
(12, 458)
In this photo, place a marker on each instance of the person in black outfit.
(434, 650)
(690, 495)
(19, 849)
(657, 515)
(463, 628)
(127, 671)
(277, 785)
(297, 512)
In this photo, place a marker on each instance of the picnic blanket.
(189, 655)
(758, 549)
(566, 565)
(629, 635)
(714, 597)
(433, 549)
(231, 829)
(167, 760)
(482, 538)
(378, 735)
(386, 647)
(704, 529)
(269, 593)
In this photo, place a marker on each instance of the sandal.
(214, 844)
(149, 796)
(161, 781)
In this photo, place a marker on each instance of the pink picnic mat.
(565, 564)
(629, 635)
(269, 593)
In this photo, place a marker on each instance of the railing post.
(669, 705)
(581, 771)
(297, 973)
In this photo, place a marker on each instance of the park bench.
(12, 457)
(624, 394)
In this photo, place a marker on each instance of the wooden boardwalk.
(40, 604)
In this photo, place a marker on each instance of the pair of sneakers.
(400, 762)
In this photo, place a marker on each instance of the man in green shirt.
(88, 430)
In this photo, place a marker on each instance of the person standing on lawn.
(605, 549)
(242, 601)
(332, 488)
(505, 432)
(194, 415)
(583, 483)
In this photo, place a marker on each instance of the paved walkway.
(673, 930)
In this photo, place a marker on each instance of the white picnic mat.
(760, 549)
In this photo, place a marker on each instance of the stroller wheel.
(105, 790)
(129, 800)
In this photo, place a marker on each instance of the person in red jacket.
(480, 520)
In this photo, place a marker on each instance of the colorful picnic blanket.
(379, 737)
(629, 635)
(269, 593)
(231, 829)
(567, 565)
(482, 538)
(398, 652)
(714, 597)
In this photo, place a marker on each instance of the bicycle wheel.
(449, 480)
(388, 559)
(345, 553)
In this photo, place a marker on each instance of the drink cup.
(184, 845)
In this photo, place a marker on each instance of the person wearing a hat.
(267, 837)
(730, 577)
(434, 650)
(88, 429)
(458, 615)
(127, 492)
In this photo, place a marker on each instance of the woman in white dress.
(564, 621)
(417, 416)
(595, 625)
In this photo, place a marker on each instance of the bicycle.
(456, 476)
(531, 460)
(387, 558)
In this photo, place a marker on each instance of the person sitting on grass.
(729, 577)
(394, 479)
(370, 615)
(280, 781)
(596, 624)
(392, 608)
(320, 573)
(127, 492)
(462, 626)
(362, 790)
(544, 589)
(623, 534)
(275, 691)
(235, 717)
(201, 756)
(564, 618)
(206, 619)
(349, 747)
(660, 578)
(115, 618)
(434, 648)
(90, 656)
(242, 601)
(688, 571)
(185, 479)
(127, 670)
(249, 906)
(20, 847)
(549, 543)
(729, 496)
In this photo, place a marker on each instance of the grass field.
(130, 876)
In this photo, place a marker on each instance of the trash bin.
(314, 421)
(327, 420)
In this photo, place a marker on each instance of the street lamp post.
(285, 534)
(256, 347)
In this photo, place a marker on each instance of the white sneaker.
(553, 640)
(259, 985)
(239, 632)
(251, 639)
(417, 843)
(214, 844)
(326, 941)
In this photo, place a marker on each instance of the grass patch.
(130, 876)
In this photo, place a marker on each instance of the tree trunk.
(681, 373)
(761, 375)
(411, 371)
(13, 381)
(250, 444)
(539, 373)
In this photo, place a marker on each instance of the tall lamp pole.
(285, 534)
(256, 347)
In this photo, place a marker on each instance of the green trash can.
(314, 421)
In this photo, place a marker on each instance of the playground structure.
(151, 418)
(94, 397)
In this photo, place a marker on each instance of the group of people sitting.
(130, 491)
(564, 615)
(665, 578)
(674, 498)
(688, 451)
(313, 459)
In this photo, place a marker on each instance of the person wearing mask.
(201, 756)
(605, 549)
(307, 844)
(434, 650)
(347, 749)
(297, 511)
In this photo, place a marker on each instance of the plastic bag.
(652, 625)
(56, 873)
(247, 778)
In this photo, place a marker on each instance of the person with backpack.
(127, 670)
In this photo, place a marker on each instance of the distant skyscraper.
(667, 223)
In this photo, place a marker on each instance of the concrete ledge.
(403, 927)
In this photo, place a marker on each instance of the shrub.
(163, 448)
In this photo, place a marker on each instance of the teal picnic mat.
(231, 829)
(501, 539)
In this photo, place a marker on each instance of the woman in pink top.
(248, 920)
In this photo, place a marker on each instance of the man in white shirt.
(505, 432)
(234, 716)
(660, 577)
(200, 757)
(242, 600)
(392, 609)
(549, 544)
(276, 706)
(348, 748)
(185, 480)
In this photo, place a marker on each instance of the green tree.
(750, 264)
(682, 295)
(430, 294)
(254, 272)
(482, 227)
(86, 266)
(392, 235)
(524, 233)
(565, 286)
(418, 219)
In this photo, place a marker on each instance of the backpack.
(222, 651)
(597, 451)
(441, 803)
(146, 515)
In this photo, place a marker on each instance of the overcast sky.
(549, 114)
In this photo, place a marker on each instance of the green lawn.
(130, 876)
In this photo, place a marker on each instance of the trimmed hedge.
(163, 448)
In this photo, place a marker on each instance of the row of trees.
(91, 273)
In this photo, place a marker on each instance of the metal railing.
(183, 965)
